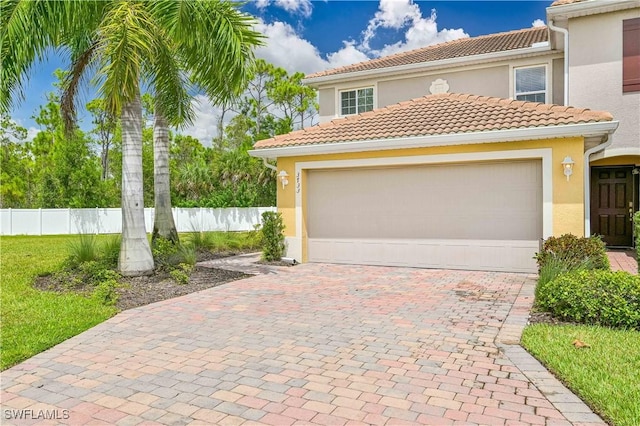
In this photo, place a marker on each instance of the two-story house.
(467, 153)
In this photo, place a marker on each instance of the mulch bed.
(140, 291)
(547, 318)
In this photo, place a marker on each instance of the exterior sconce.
(283, 175)
(567, 166)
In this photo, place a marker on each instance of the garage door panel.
(514, 256)
(430, 216)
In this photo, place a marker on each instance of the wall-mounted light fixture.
(567, 166)
(283, 175)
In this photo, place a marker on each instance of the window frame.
(355, 90)
(630, 51)
(547, 92)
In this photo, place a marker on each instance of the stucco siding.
(558, 81)
(327, 101)
(595, 73)
(567, 197)
(492, 81)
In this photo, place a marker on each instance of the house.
(466, 154)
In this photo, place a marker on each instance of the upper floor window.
(531, 84)
(631, 55)
(356, 101)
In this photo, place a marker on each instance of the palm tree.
(127, 44)
(163, 224)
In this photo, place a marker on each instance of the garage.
(476, 215)
(446, 181)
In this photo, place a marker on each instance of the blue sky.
(309, 36)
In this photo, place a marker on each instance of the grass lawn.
(606, 375)
(33, 320)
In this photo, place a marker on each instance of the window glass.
(356, 101)
(531, 84)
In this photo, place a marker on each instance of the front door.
(612, 204)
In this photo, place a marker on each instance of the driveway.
(323, 344)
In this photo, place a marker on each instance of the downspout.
(587, 181)
(269, 166)
(565, 32)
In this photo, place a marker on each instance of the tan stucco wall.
(494, 79)
(558, 81)
(484, 81)
(326, 100)
(568, 197)
(595, 73)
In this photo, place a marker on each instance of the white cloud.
(204, 127)
(349, 54)
(538, 23)
(420, 31)
(31, 133)
(285, 48)
(302, 7)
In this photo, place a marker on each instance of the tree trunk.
(135, 253)
(163, 225)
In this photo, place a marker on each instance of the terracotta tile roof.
(563, 2)
(491, 43)
(439, 114)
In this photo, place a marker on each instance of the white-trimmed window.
(531, 83)
(356, 101)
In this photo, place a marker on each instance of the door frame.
(635, 195)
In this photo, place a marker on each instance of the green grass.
(606, 375)
(33, 320)
(222, 241)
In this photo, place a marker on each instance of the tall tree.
(105, 125)
(129, 43)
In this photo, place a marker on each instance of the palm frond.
(79, 69)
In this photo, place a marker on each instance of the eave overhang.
(587, 130)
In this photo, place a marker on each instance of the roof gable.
(441, 114)
(465, 47)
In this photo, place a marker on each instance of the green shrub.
(111, 251)
(202, 240)
(574, 251)
(555, 265)
(83, 249)
(182, 273)
(636, 226)
(168, 255)
(272, 236)
(594, 297)
(105, 292)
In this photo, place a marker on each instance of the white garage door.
(481, 216)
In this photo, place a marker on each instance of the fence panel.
(109, 220)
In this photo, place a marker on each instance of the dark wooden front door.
(611, 202)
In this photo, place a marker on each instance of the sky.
(310, 36)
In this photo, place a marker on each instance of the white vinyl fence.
(109, 221)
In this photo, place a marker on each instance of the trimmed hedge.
(574, 251)
(599, 297)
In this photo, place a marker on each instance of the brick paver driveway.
(322, 344)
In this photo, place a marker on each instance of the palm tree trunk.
(163, 225)
(135, 253)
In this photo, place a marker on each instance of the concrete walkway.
(321, 344)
